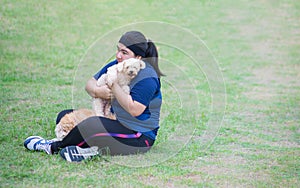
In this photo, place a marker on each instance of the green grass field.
(229, 119)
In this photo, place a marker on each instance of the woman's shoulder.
(146, 76)
(111, 63)
(148, 71)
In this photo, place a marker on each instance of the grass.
(43, 50)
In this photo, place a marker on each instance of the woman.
(137, 114)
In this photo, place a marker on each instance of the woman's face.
(123, 53)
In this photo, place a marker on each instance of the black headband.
(137, 50)
(136, 42)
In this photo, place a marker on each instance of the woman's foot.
(37, 143)
(77, 154)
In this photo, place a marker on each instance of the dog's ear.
(120, 66)
(142, 64)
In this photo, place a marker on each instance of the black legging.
(109, 135)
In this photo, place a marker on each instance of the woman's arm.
(97, 92)
(134, 108)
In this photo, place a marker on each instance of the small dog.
(122, 73)
(70, 120)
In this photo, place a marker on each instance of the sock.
(55, 147)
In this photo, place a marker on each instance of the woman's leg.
(106, 134)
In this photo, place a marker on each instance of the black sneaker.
(77, 154)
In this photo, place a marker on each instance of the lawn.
(231, 97)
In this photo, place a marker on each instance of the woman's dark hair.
(140, 46)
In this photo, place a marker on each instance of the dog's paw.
(112, 116)
(110, 80)
(126, 89)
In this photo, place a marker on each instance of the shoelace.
(38, 145)
(43, 146)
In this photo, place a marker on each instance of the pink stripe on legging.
(137, 135)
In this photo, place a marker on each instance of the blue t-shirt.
(145, 89)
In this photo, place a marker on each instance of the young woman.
(137, 114)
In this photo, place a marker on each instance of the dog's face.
(60, 132)
(132, 66)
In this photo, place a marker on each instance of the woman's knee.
(93, 123)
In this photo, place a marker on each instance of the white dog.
(122, 73)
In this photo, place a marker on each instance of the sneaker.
(37, 143)
(77, 154)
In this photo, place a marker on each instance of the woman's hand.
(95, 91)
(106, 92)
